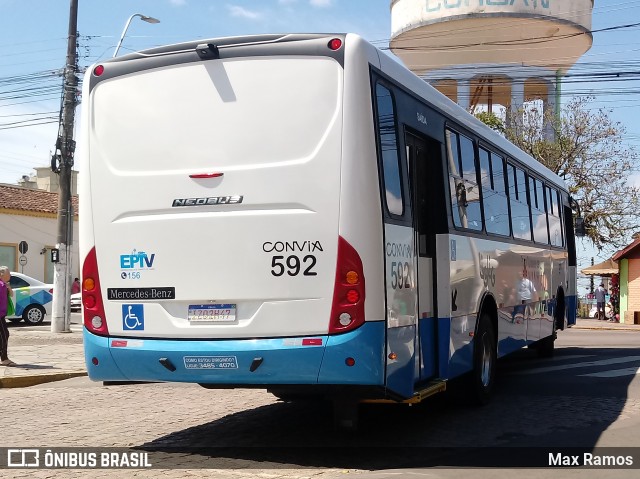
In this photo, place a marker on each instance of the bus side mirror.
(579, 228)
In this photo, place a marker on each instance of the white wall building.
(30, 215)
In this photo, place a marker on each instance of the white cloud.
(321, 3)
(237, 11)
(178, 3)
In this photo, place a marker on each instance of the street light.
(144, 18)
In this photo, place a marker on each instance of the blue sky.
(33, 48)
(33, 42)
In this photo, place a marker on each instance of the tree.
(584, 147)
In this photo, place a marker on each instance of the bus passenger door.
(423, 192)
(401, 302)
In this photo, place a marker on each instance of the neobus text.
(213, 200)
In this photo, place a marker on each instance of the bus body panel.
(261, 236)
(482, 265)
(300, 361)
(402, 307)
(359, 190)
(227, 182)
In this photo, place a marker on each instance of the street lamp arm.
(124, 32)
(144, 18)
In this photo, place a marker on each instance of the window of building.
(9, 256)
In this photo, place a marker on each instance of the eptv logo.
(137, 260)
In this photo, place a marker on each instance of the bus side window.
(494, 199)
(520, 215)
(463, 183)
(555, 226)
(538, 213)
(389, 151)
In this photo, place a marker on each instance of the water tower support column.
(464, 93)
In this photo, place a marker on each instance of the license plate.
(212, 313)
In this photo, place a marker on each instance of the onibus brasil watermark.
(72, 458)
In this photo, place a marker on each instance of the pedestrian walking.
(75, 287)
(601, 294)
(5, 297)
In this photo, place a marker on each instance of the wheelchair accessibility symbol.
(133, 317)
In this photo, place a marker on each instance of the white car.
(32, 299)
(75, 303)
(608, 312)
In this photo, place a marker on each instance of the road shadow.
(535, 409)
(34, 367)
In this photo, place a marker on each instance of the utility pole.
(65, 148)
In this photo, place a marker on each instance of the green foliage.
(585, 147)
(491, 120)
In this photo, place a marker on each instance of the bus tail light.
(335, 44)
(347, 311)
(94, 317)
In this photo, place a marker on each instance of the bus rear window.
(217, 114)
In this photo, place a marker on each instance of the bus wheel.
(484, 362)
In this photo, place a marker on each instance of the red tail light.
(335, 44)
(94, 317)
(347, 311)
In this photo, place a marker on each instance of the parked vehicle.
(75, 302)
(349, 232)
(32, 299)
(608, 311)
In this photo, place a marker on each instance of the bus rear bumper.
(242, 362)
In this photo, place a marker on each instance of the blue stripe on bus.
(571, 309)
(366, 345)
(444, 341)
(284, 360)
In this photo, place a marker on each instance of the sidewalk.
(43, 356)
(592, 323)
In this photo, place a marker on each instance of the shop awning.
(606, 268)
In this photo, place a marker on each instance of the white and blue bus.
(303, 214)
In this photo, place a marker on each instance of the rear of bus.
(211, 245)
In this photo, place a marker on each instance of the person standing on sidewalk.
(601, 294)
(75, 287)
(5, 292)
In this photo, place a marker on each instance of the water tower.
(488, 52)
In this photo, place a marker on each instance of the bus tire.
(484, 362)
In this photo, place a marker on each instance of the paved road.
(586, 396)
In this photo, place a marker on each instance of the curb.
(605, 328)
(26, 381)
